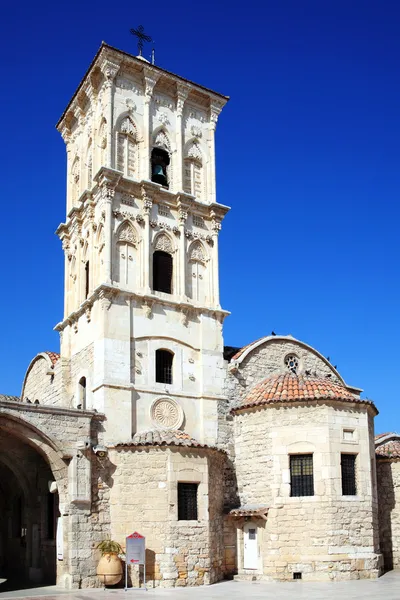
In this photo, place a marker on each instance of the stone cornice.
(46, 409)
(109, 179)
(109, 59)
(107, 293)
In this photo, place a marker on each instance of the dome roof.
(289, 387)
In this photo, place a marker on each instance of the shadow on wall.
(387, 503)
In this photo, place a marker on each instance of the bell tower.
(142, 326)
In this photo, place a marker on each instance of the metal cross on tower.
(141, 36)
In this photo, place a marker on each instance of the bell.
(158, 174)
(158, 170)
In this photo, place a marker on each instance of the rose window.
(292, 363)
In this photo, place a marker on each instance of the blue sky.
(307, 157)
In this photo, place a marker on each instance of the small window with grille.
(164, 360)
(301, 475)
(348, 465)
(187, 501)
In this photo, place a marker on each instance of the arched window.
(89, 165)
(193, 174)
(162, 272)
(159, 166)
(160, 159)
(75, 177)
(126, 247)
(87, 279)
(82, 393)
(164, 360)
(127, 148)
(163, 264)
(196, 274)
(102, 142)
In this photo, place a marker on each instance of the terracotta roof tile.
(390, 449)
(158, 437)
(249, 510)
(54, 356)
(288, 387)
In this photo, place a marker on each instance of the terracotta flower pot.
(109, 569)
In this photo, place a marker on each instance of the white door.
(250, 558)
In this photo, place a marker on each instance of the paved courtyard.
(387, 588)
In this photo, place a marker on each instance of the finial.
(141, 36)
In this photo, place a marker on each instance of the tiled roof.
(381, 435)
(289, 387)
(10, 398)
(158, 437)
(54, 356)
(249, 510)
(390, 449)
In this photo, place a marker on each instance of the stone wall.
(143, 498)
(326, 536)
(388, 475)
(43, 382)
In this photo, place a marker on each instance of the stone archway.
(29, 510)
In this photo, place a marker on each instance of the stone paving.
(387, 588)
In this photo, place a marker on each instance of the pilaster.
(181, 96)
(110, 71)
(150, 80)
(147, 207)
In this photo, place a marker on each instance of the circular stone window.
(292, 363)
(166, 413)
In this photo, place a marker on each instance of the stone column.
(215, 110)
(147, 257)
(181, 93)
(182, 251)
(216, 228)
(107, 195)
(109, 70)
(150, 80)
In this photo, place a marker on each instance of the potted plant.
(109, 569)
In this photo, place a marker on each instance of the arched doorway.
(28, 515)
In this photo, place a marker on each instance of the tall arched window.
(89, 165)
(160, 159)
(102, 142)
(162, 272)
(126, 246)
(163, 264)
(127, 148)
(196, 274)
(87, 279)
(75, 179)
(164, 360)
(82, 393)
(193, 175)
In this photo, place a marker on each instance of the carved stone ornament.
(164, 243)
(88, 312)
(194, 152)
(148, 309)
(107, 192)
(196, 131)
(126, 234)
(161, 141)
(166, 413)
(130, 105)
(128, 127)
(197, 253)
(105, 300)
(163, 118)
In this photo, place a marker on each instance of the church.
(258, 463)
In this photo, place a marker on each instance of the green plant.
(109, 547)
